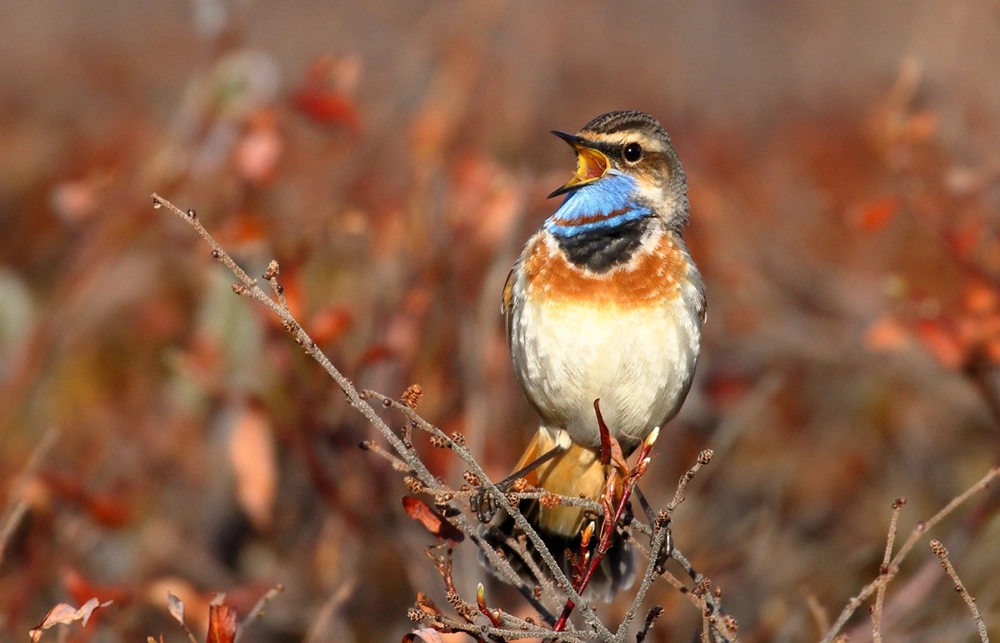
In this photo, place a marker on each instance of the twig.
(326, 613)
(703, 458)
(249, 287)
(258, 609)
(883, 571)
(408, 460)
(561, 581)
(651, 616)
(942, 554)
(660, 536)
(919, 530)
(17, 506)
(612, 518)
(818, 611)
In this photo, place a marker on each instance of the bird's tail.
(577, 472)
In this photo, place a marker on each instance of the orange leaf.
(221, 624)
(431, 519)
(426, 605)
(877, 214)
(329, 324)
(941, 343)
(979, 297)
(252, 456)
(886, 335)
(242, 229)
(991, 349)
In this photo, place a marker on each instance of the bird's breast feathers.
(651, 278)
(628, 336)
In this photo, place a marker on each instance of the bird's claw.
(484, 505)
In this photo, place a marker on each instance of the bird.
(604, 303)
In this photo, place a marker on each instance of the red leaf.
(941, 343)
(431, 519)
(325, 93)
(877, 214)
(328, 107)
(221, 624)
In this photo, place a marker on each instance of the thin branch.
(17, 506)
(407, 459)
(897, 505)
(258, 609)
(703, 458)
(817, 610)
(561, 581)
(919, 530)
(660, 537)
(942, 554)
(611, 450)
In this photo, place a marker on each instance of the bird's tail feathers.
(577, 472)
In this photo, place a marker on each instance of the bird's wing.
(507, 303)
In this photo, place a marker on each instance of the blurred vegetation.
(844, 162)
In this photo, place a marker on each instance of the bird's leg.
(646, 508)
(484, 505)
(668, 544)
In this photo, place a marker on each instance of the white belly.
(639, 362)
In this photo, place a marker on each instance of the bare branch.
(919, 530)
(404, 458)
(883, 571)
(942, 554)
(17, 505)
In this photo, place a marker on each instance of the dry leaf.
(251, 454)
(64, 613)
(195, 604)
(176, 607)
(423, 634)
(221, 624)
(431, 519)
(426, 605)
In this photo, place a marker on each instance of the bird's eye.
(632, 152)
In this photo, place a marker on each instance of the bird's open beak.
(591, 164)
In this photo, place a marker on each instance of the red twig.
(614, 507)
(605, 434)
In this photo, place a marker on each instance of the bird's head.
(632, 145)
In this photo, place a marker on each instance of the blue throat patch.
(610, 198)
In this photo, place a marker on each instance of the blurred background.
(164, 434)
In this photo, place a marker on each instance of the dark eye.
(632, 152)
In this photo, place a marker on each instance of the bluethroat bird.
(604, 303)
